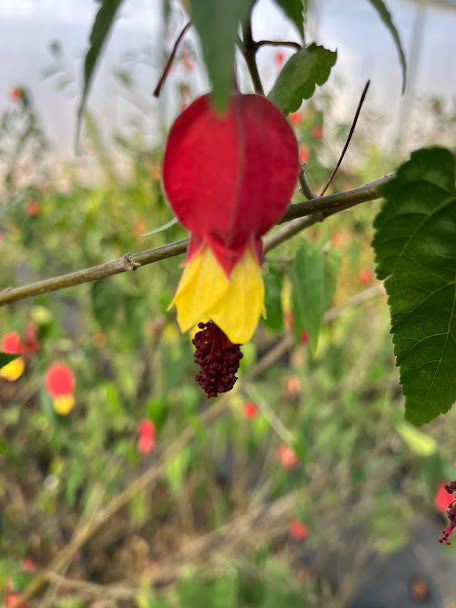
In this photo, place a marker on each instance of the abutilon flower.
(60, 383)
(12, 345)
(229, 179)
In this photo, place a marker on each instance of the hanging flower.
(11, 344)
(60, 383)
(229, 179)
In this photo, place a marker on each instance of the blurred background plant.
(277, 494)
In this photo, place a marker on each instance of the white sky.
(364, 46)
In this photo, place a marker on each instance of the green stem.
(312, 211)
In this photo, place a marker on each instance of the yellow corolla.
(234, 304)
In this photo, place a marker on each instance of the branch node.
(129, 262)
(304, 186)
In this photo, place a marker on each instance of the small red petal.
(295, 118)
(442, 499)
(279, 59)
(250, 409)
(304, 154)
(298, 530)
(28, 564)
(146, 428)
(365, 276)
(288, 457)
(146, 444)
(11, 343)
(32, 208)
(60, 380)
(317, 131)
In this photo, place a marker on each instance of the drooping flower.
(11, 344)
(229, 179)
(60, 383)
(146, 436)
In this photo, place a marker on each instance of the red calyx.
(229, 178)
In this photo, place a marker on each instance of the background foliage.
(313, 433)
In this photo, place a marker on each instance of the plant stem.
(249, 50)
(309, 212)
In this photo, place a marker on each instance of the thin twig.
(294, 45)
(304, 186)
(309, 212)
(347, 143)
(169, 63)
(249, 51)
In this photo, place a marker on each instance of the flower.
(32, 207)
(279, 59)
(229, 179)
(317, 131)
(304, 154)
(365, 276)
(442, 499)
(250, 409)
(16, 94)
(60, 383)
(11, 344)
(295, 117)
(146, 436)
(28, 564)
(12, 601)
(298, 530)
(288, 457)
(450, 488)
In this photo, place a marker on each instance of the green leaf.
(293, 9)
(5, 358)
(106, 296)
(100, 30)
(273, 280)
(416, 440)
(217, 24)
(385, 16)
(415, 248)
(299, 76)
(313, 283)
(3, 448)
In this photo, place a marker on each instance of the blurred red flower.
(298, 530)
(250, 409)
(11, 343)
(60, 380)
(28, 564)
(279, 59)
(287, 457)
(16, 94)
(32, 207)
(60, 383)
(304, 153)
(12, 601)
(317, 131)
(365, 276)
(442, 498)
(295, 117)
(146, 436)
